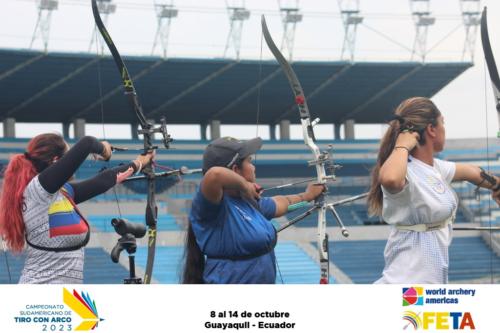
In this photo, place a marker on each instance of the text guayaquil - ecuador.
(247, 325)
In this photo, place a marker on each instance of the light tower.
(349, 9)
(165, 12)
(471, 17)
(106, 7)
(420, 11)
(42, 27)
(237, 15)
(290, 16)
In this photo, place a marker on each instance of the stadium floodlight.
(42, 27)
(292, 15)
(352, 16)
(471, 18)
(106, 7)
(349, 10)
(166, 11)
(420, 10)
(425, 21)
(48, 4)
(355, 20)
(239, 14)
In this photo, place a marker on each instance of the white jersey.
(419, 257)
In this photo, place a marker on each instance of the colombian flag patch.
(64, 219)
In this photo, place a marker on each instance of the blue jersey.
(236, 238)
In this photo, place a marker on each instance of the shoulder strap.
(60, 249)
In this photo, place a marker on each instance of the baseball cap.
(227, 151)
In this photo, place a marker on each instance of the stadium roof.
(59, 87)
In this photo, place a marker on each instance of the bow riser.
(309, 140)
(319, 159)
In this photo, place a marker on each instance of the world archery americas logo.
(413, 296)
(85, 307)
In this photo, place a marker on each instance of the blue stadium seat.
(295, 265)
(167, 266)
(99, 269)
(363, 261)
(10, 273)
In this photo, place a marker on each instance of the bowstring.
(488, 168)
(101, 106)
(257, 118)
(259, 101)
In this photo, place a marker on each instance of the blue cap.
(228, 151)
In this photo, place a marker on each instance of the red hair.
(19, 172)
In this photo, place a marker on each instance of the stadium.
(201, 98)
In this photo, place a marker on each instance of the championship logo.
(85, 307)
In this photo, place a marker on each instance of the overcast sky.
(201, 29)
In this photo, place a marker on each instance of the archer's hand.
(251, 191)
(313, 191)
(121, 176)
(407, 139)
(106, 152)
(142, 160)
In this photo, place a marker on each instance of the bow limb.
(309, 139)
(495, 83)
(125, 76)
(490, 62)
(147, 130)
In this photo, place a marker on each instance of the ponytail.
(413, 114)
(17, 175)
(22, 168)
(386, 147)
(194, 260)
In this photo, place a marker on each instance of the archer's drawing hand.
(407, 139)
(251, 191)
